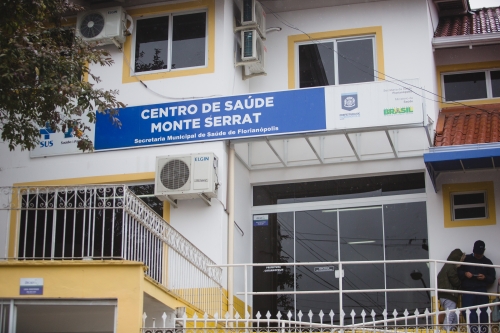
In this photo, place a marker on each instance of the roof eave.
(466, 41)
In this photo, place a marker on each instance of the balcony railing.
(109, 222)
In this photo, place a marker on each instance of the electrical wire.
(355, 62)
(157, 93)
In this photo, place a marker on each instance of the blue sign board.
(265, 114)
(31, 286)
(31, 290)
(260, 220)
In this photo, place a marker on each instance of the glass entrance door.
(385, 232)
(339, 235)
(316, 240)
(361, 238)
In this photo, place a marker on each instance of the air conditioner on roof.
(107, 26)
(253, 52)
(253, 16)
(180, 177)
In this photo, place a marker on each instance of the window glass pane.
(188, 40)
(362, 239)
(470, 213)
(151, 44)
(355, 61)
(405, 229)
(316, 65)
(468, 199)
(495, 83)
(339, 189)
(316, 240)
(273, 242)
(465, 86)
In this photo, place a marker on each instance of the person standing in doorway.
(478, 279)
(448, 279)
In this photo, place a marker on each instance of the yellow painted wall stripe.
(94, 180)
(359, 32)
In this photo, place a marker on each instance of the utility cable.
(355, 62)
(157, 93)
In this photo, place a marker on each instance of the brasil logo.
(396, 111)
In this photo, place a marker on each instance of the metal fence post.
(341, 305)
(436, 299)
(246, 294)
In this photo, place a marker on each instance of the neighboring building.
(463, 164)
(331, 173)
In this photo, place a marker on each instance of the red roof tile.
(481, 21)
(465, 125)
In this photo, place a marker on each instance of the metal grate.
(92, 25)
(174, 174)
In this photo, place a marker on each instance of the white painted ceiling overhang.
(331, 147)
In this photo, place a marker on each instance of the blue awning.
(461, 158)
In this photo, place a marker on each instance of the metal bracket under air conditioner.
(206, 199)
(246, 63)
(202, 196)
(173, 202)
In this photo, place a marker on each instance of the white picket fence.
(324, 322)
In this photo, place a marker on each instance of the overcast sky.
(483, 3)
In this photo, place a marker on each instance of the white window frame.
(489, 89)
(453, 206)
(170, 41)
(335, 55)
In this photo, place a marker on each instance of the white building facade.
(328, 144)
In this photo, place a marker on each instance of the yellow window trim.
(359, 32)
(452, 188)
(463, 68)
(208, 5)
(97, 180)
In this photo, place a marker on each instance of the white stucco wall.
(405, 32)
(407, 54)
(242, 204)
(465, 55)
(443, 240)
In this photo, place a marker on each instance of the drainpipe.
(230, 230)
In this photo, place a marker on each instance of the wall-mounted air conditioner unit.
(180, 177)
(253, 53)
(106, 26)
(253, 16)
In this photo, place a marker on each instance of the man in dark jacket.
(476, 278)
(448, 279)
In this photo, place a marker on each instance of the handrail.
(109, 222)
(340, 291)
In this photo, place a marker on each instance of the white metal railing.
(423, 320)
(341, 291)
(106, 222)
(308, 323)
